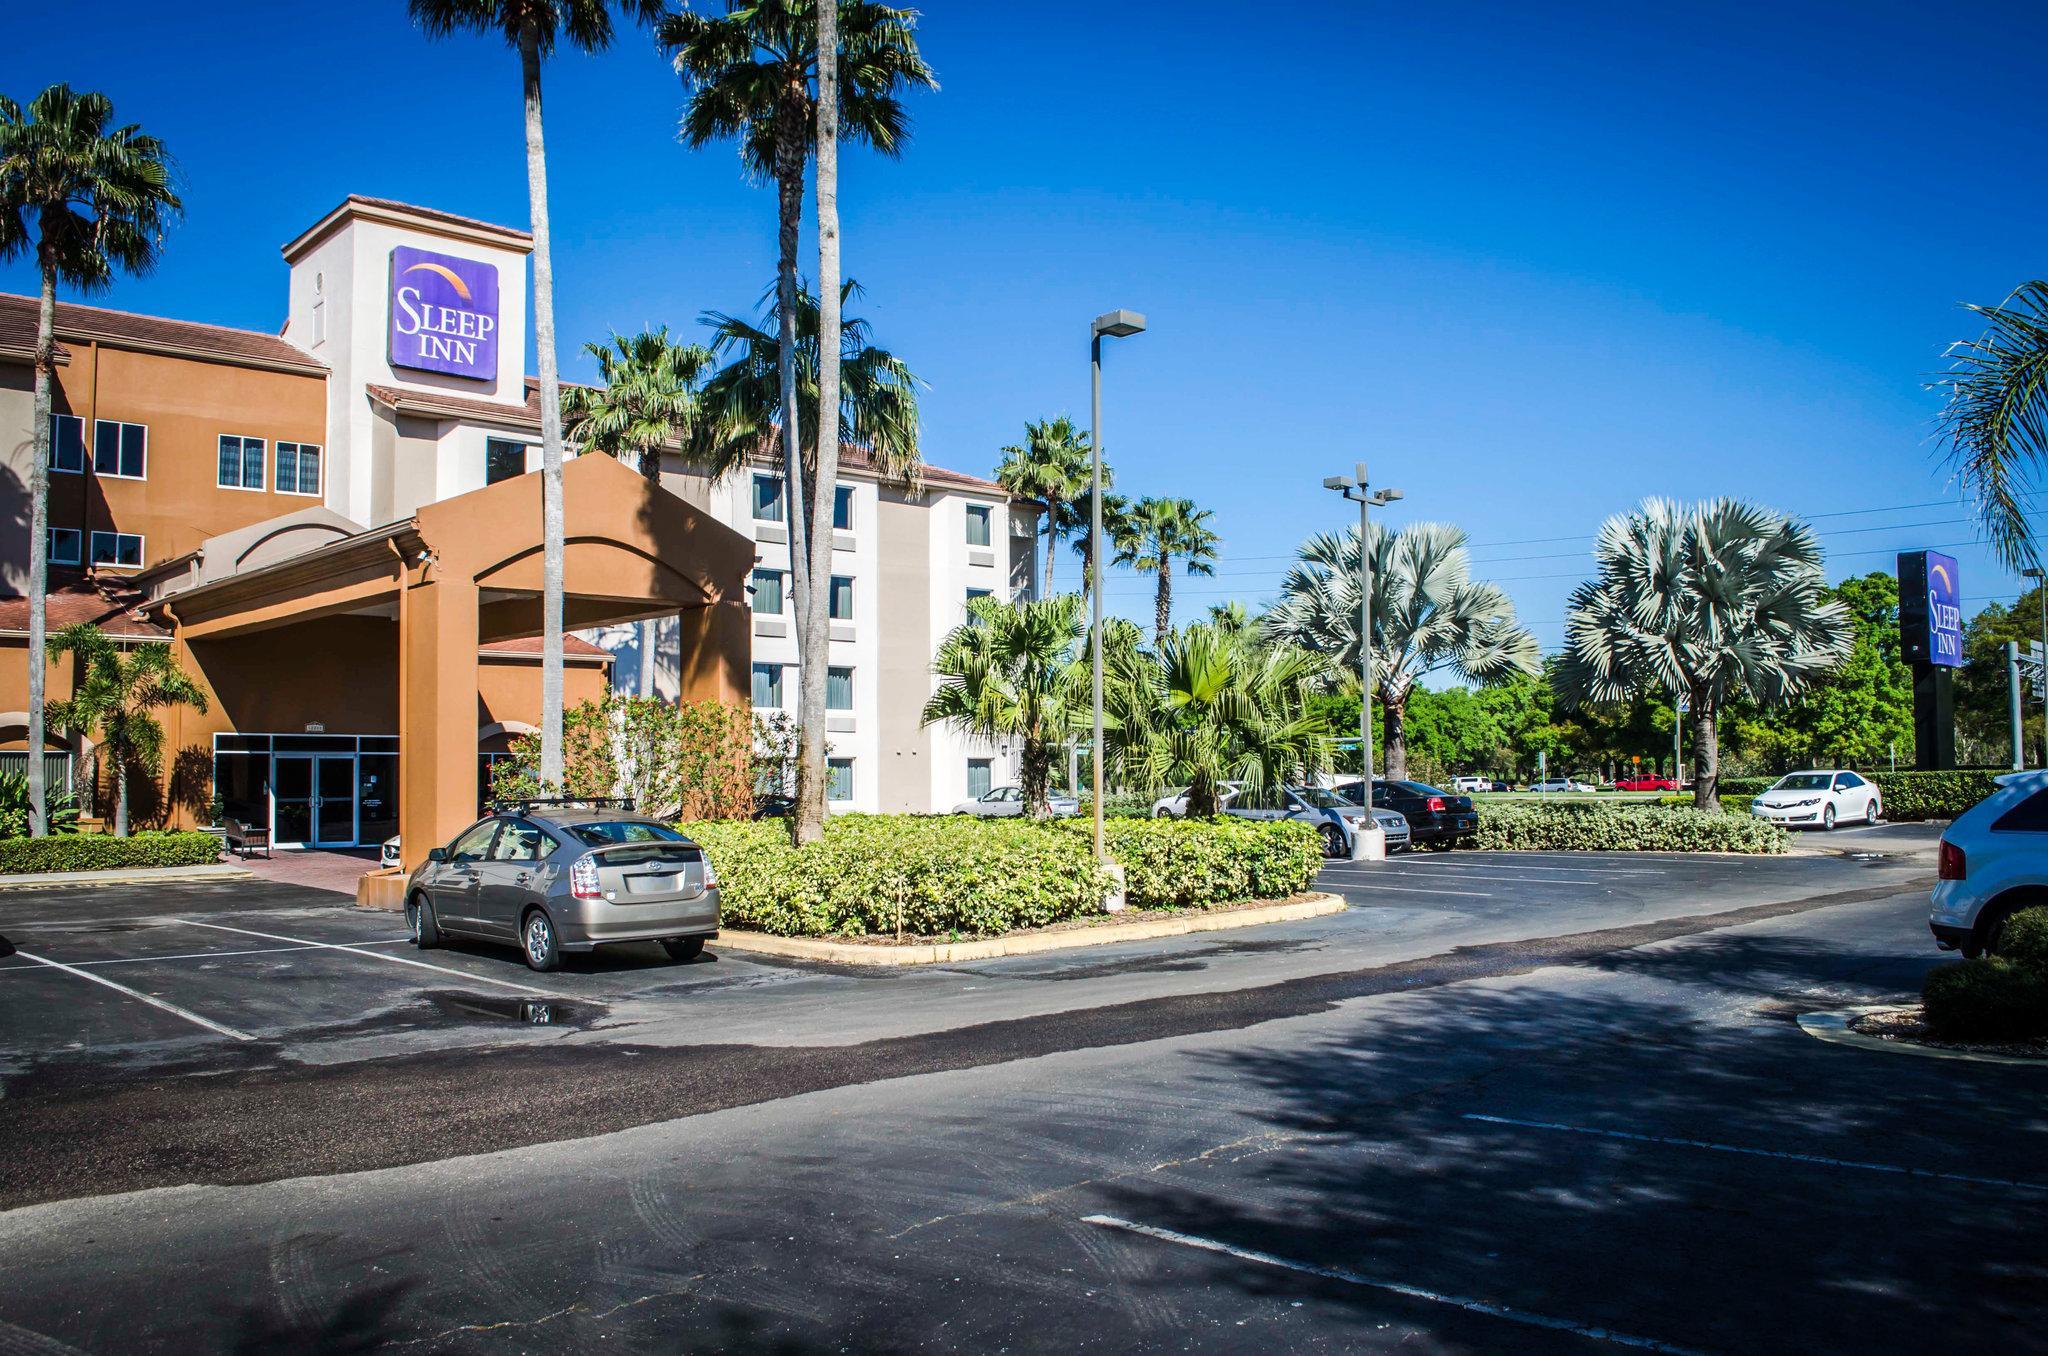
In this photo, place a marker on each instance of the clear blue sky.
(1533, 262)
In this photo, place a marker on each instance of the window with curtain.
(298, 469)
(241, 462)
(980, 777)
(842, 508)
(838, 779)
(768, 685)
(838, 688)
(768, 591)
(768, 498)
(977, 524)
(842, 598)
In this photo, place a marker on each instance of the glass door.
(291, 783)
(314, 800)
(334, 802)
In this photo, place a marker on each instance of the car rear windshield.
(1417, 789)
(604, 832)
(1804, 781)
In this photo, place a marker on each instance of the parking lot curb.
(1833, 1027)
(1315, 905)
(126, 875)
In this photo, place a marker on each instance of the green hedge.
(1730, 803)
(1121, 806)
(1179, 863)
(100, 852)
(1591, 826)
(1743, 786)
(1931, 795)
(1995, 998)
(959, 876)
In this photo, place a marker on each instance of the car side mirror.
(438, 854)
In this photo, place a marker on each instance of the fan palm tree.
(1428, 616)
(1215, 707)
(649, 400)
(1119, 533)
(752, 74)
(1712, 601)
(1996, 420)
(1052, 464)
(1017, 670)
(533, 28)
(115, 702)
(1158, 531)
(87, 200)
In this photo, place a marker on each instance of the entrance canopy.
(466, 572)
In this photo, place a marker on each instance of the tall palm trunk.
(1162, 601)
(1706, 756)
(552, 522)
(1052, 538)
(812, 641)
(650, 629)
(39, 549)
(120, 792)
(810, 823)
(1395, 709)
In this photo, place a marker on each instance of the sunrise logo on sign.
(444, 314)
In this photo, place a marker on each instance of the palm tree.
(88, 200)
(1215, 707)
(811, 686)
(533, 27)
(115, 699)
(1996, 420)
(649, 400)
(1018, 671)
(1712, 601)
(751, 74)
(1428, 616)
(1052, 464)
(1161, 529)
(1119, 533)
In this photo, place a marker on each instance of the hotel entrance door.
(315, 796)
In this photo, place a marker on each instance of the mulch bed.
(1910, 1027)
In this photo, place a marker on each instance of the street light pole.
(2040, 579)
(1115, 325)
(1358, 489)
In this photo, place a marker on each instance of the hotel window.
(838, 779)
(768, 685)
(64, 542)
(842, 598)
(120, 450)
(977, 524)
(241, 462)
(117, 550)
(298, 468)
(503, 459)
(842, 509)
(981, 776)
(67, 443)
(838, 688)
(768, 591)
(768, 499)
(972, 594)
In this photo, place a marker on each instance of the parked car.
(1435, 818)
(1004, 801)
(1992, 862)
(1819, 798)
(387, 855)
(1563, 784)
(1649, 783)
(552, 876)
(1337, 820)
(774, 805)
(1174, 804)
(1465, 786)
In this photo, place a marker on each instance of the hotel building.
(337, 528)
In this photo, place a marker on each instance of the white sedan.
(1005, 801)
(1821, 798)
(1174, 804)
(1564, 784)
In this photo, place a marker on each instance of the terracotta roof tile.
(571, 645)
(80, 323)
(68, 607)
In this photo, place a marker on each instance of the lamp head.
(2035, 573)
(1388, 496)
(1117, 324)
(1337, 482)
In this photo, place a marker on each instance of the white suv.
(1993, 863)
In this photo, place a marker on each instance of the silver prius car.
(551, 876)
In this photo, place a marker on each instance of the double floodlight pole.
(1109, 325)
(1358, 489)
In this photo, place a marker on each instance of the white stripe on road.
(1507, 1312)
(1410, 889)
(1445, 864)
(205, 955)
(1820, 1160)
(1491, 875)
(377, 955)
(150, 999)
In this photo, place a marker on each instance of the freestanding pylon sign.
(1931, 633)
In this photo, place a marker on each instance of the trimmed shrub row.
(952, 876)
(101, 852)
(1730, 804)
(1593, 826)
(1995, 998)
(1932, 795)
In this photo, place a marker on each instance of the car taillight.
(1436, 805)
(710, 874)
(1949, 862)
(583, 879)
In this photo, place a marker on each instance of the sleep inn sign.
(444, 314)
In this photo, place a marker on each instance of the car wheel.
(1871, 811)
(1333, 840)
(419, 920)
(684, 949)
(1827, 818)
(537, 941)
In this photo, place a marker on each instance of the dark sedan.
(1435, 818)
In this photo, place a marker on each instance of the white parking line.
(1449, 864)
(1820, 1160)
(1345, 884)
(377, 955)
(1475, 1306)
(150, 999)
(1488, 875)
(206, 955)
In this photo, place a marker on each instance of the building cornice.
(424, 220)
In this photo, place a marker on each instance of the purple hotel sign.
(444, 314)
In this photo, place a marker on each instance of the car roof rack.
(522, 804)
